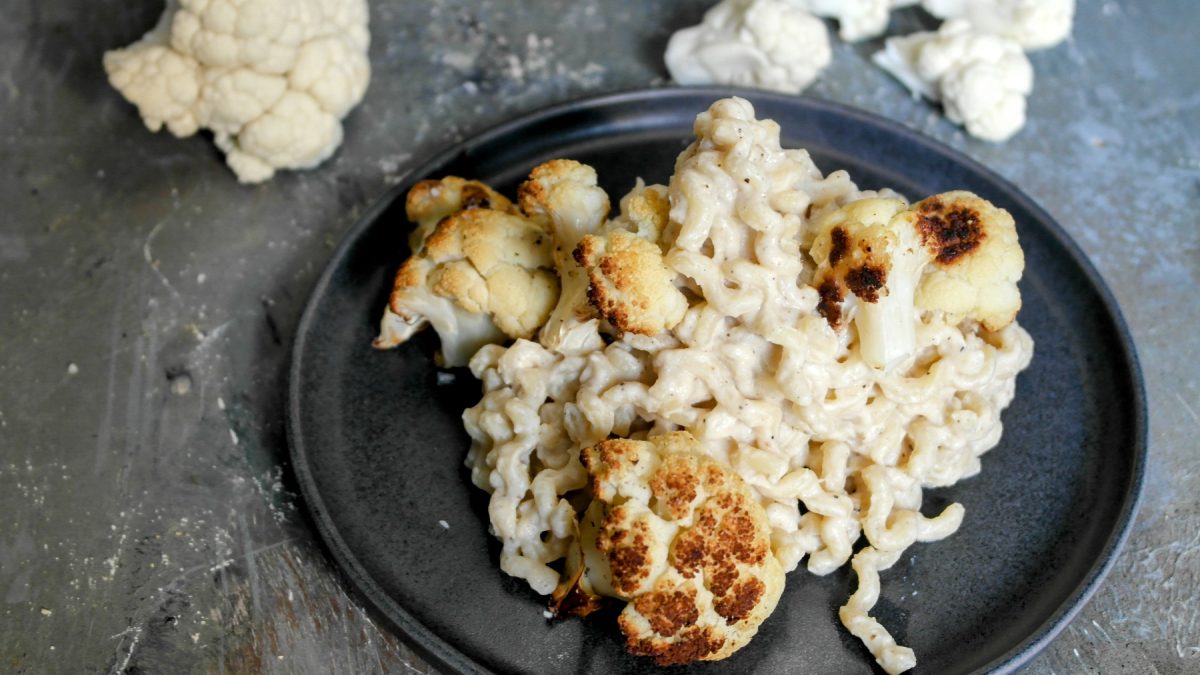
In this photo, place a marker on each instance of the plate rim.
(442, 653)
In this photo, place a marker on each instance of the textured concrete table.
(148, 521)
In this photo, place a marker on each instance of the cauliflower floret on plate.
(883, 263)
(431, 200)
(272, 79)
(974, 275)
(683, 540)
(629, 284)
(564, 196)
(481, 276)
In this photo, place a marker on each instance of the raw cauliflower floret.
(981, 79)
(482, 275)
(563, 196)
(431, 200)
(1034, 24)
(272, 79)
(629, 284)
(883, 263)
(683, 540)
(857, 19)
(755, 43)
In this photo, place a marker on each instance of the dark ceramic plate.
(378, 446)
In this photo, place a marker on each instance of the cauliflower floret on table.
(981, 79)
(644, 211)
(482, 275)
(683, 540)
(272, 79)
(759, 43)
(1033, 24)
(857, 19)
(883, 262)
(563, 196)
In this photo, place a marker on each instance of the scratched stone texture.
(148, 519)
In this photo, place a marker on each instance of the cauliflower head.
(1033, 24)
(272, 79)
(564, 197)
(482, 275)
(431, 200)
(629, 284)
(982, 79)
(884, 263)
(770, 44)
(683, 540)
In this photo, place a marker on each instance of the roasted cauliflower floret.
(563, 196)
(629, 284)
(645, 211)
(482, 275)
(978, 261)
(431, 200)
(1034, 24)
(982, 79)
(882, 262)
(683, 540)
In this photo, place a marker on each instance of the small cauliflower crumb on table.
(149, 518)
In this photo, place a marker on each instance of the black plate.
(378, 446)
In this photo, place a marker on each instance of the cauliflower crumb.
(272, 79)
(759, 43)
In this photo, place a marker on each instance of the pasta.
(835, 449)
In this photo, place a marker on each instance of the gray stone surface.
(147, 519)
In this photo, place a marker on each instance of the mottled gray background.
(147, 520)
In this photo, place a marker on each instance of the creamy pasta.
(835, 449)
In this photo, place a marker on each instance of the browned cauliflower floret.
(431, 200)
(629, 284)
(563, 195)
(979, 259)
(683, 540)
(954, 252)
(481, 275)
(645, 211)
